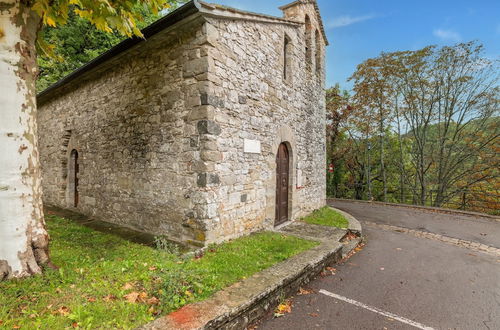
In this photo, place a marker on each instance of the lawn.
(326, 216)
(107, 282)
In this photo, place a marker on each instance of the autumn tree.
(435, 115)
(337, 113)
(373, 96)
(76, 43)
(450, 104)
(23, 237)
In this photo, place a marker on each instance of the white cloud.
(348, 20)
(447, 35)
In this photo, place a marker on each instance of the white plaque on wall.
(299, 179)
(251, 146)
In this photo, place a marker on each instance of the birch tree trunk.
(23, 238)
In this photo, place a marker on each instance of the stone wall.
(133, 124)
(160, 129)
(253, 100)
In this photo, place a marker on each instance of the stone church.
(209, 128)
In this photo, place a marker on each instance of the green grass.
(327, 217)
(97, 270)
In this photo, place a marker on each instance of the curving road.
(406, 281)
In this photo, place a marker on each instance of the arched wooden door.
(282, 180)
(73, 179)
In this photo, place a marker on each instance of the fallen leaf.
(109, 297)
(91, 299)
(349, 236)
(143, 296)
(16, 327)
(74, 324)
(152, 268)
(132, 297)
(303, 291)
(128, 286)
(314, 314)
(283, 308)
(63, 310)
(153, 301)
(153, 311)
(331, 270)
(32, 316)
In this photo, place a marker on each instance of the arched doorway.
(73, 178)
(282, 183)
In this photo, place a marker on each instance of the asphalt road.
(467, 227)
(399, 281)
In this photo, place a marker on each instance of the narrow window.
(308, 30)
(318, 54)
(73, 178)
(287, 54)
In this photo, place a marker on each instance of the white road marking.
(376, 310)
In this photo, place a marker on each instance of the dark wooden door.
(74, 159)
(282, 179)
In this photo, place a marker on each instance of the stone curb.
(475, 246)
(354, 225)
(427, 208)
(245, 302)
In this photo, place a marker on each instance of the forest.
(419, 127)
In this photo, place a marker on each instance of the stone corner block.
(207, 99)
(208, 127)
(207, 180)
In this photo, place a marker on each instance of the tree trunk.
(23, 238)
(368, 171)
(402, 198)
(382, 155)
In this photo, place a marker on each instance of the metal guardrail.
(468, 200)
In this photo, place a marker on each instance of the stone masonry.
(178, 135)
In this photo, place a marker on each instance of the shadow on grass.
(102, 226)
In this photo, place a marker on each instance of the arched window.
(317, 37)
(308, 36)
(287, 59)
(73, 178)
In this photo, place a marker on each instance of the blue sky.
(360, 29)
